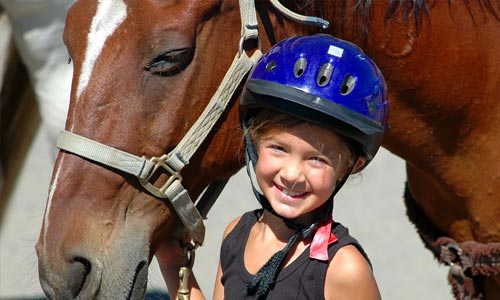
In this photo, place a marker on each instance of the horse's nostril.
(78, 271)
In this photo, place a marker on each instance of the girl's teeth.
(290, 193)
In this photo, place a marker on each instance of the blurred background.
(34, 93)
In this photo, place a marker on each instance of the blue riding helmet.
(326, 81)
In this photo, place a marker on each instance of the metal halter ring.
(242, 41)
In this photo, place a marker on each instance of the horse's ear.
(359, 164)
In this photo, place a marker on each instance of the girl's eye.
(278, 148)
(319, 160)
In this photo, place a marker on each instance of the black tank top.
(304, 278)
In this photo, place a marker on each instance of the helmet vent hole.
(324, 74)
(299, 67)
(347, 85)
(271, 66)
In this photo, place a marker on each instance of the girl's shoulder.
(349, 261)
(247, 218)
(231, 226)
(349, 275)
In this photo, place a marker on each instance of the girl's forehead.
(304, 131)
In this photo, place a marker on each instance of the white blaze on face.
(109, 15)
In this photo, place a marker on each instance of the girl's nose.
(292, 174)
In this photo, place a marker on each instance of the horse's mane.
(416, 11)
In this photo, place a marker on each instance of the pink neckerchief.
(322, 238)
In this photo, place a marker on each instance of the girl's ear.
(359, 164)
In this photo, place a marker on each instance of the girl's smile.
(289, 196)
(290, 193)
(298, 167)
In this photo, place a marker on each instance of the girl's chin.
(289, 212)
(294, 214)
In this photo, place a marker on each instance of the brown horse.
(145, 70)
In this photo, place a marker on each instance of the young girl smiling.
(313, 110)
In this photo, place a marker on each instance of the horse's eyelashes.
(170, 63)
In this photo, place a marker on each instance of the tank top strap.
(343, 239)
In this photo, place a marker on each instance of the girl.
(314, 111)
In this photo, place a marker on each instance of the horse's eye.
(171, 62)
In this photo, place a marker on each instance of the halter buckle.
(174, 175)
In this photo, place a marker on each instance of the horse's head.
(143, 73)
